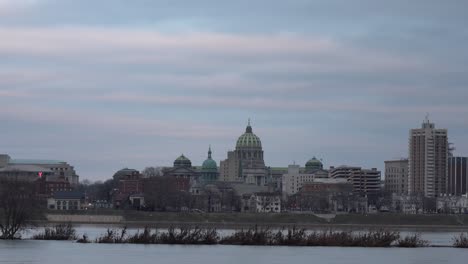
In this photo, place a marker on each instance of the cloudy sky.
(107, 84)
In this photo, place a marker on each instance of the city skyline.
(153, 80)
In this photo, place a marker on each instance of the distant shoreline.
(233, 226)
(134, 219)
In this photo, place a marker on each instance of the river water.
(68, 252)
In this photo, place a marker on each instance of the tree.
(152, 172)
(18, 205)
(161, 193)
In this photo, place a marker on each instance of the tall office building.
(428, 156)
(457, 176)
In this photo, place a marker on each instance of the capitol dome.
(182, 161)
(314, 164)
(248, 139)
(209, 165)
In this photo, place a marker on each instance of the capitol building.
(245, 164)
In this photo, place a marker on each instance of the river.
(68, 252)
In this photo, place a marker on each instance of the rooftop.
(35, 161)
(24, 168)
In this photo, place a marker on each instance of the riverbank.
(244, 220)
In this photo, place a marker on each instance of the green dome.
(248, 139)
(209, 165)
(182, 161)
(314, 164)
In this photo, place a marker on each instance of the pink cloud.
(200, 50)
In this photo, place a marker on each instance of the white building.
(266, 202)
(428, 156)
(452, 204)
(294, 179)
(66, 201)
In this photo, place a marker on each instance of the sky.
(110, 84)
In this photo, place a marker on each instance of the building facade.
(396, 176)
(262, 202)
(457, 182)
(66, 201)
(365, 182)
(59, 168)
(428, 157)
(183, 171)
(296, 176)
(245, 164)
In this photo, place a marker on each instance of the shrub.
(84, 239)
(113, 237)
(412, 241)
(461, 241)
(58, 232)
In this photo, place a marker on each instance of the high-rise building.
(246, 163)
(396, 176)
(457, 176)
(364, 181)
(428, 156)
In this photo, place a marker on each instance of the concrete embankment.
(85, 219)
(239, 220)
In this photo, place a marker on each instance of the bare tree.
(18, 205)
(161, 193)
(152, 172)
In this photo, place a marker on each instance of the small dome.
(314, 164)
(248, 139)
(182, 161)
(209, 165)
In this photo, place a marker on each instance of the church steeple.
(209, 152)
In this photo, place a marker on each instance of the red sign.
(40, 174)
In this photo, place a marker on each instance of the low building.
(452, 204)
(66, 201)
(137, 200)
(128, 181)
(263, 202)
(407, 204)
(325, 195)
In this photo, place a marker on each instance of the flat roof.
(36, 161)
